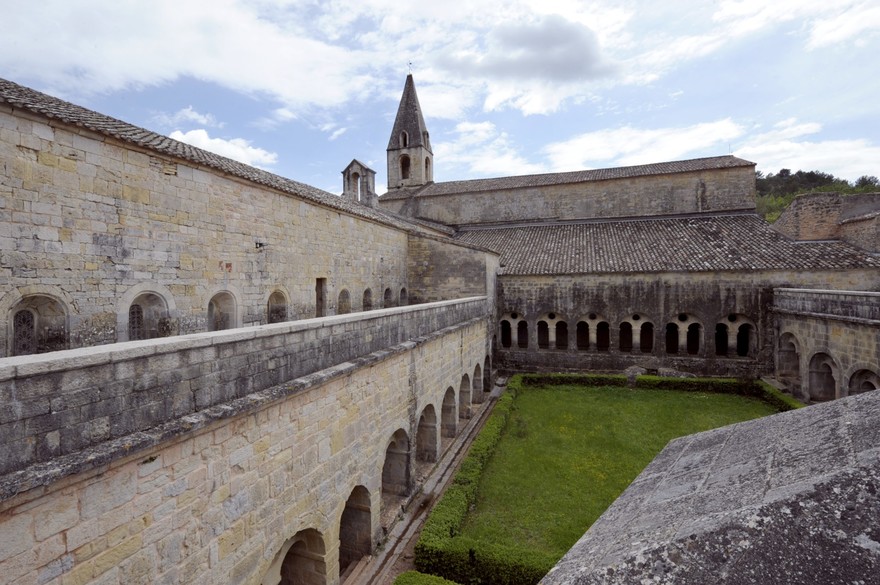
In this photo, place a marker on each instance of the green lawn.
(569, 451)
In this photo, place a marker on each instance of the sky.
(507, 87)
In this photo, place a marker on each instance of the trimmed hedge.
(416, 578)
(440, 551)
(754, 388)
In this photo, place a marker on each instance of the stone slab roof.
(517, 182)
(24, 98)
(792, 498)
(674, 244)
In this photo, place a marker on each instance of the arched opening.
(428, 176)
(39, 325)
(356, 186)
(276, 311)
(505, 333)
(693, 336)
(404, 139)
(626, 337)
(387, 298)
(823, 383)
(788, 362)
(721, 333)
(148, 317)
(522, 334)
(404, 166)
(368, 300)
(863, 381)
(603, 336)
(355, 529)
(221, 312)
(343, 303)
(671, 338)
(543, 335)
(477, 389)
(744, 340)
(646, 338)
(582, 333)
(395, 471)
(403, 298)
(464, 397)
(426, 436)
(561, 335)
(300, 561)
(487, 376)
(448, 420)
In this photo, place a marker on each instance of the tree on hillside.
(776, 191)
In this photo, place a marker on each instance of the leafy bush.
(416, 578)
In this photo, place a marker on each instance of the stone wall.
(261, 486)
(677, 193)
(438, 270)
(90, 223)
(63, 402)
(696, 302)
(828, 342)
(825, 216)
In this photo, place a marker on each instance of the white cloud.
(849, 25)
(187, 115)
(483, 151)
(633, 146)
(236, 148)
(785, 147)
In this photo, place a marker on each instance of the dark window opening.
(693, 338)
(522, 334)
(561, 335)
(646, 338)
(671, 338)
(626, 337)
(721, 339)
(583, 336)
(603, 336)
(136, 323)
(505, 334)
(543, 335)
(744, 340)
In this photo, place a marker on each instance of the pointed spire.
(409, 126)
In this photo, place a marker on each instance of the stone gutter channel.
(383, 566)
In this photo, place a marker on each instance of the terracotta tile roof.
(502, 183)
(678, 244)
(18, 96)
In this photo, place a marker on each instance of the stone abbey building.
(213, 374)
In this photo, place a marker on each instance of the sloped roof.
(409, 118)
(675, 244)
(521, 181)
(18, 96)
(789, 498)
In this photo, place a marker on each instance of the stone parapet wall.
(826, 216)
(832, 303)
(60, 403)
(225, 501)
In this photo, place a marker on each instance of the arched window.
(522, 334)
(276, 310)
(721, 339)
(543, 335)
(863, 381)
(355, 528)
(39, 324)
(426, 140)
(221, 312)
(646, 338)
(626, 337)
(603, 336)
(395, 471)
(428, 176)
(694, 333)
(343, 304)
(505, 333)
(368, 300)
(404, 139)
(404, 298)
(744, 340)
(583, 335)
(561, 335)
(788, 362)
(823, 378)
(671, 338)
(404, 166)
(387, 299)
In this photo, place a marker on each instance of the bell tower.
(410, 159)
